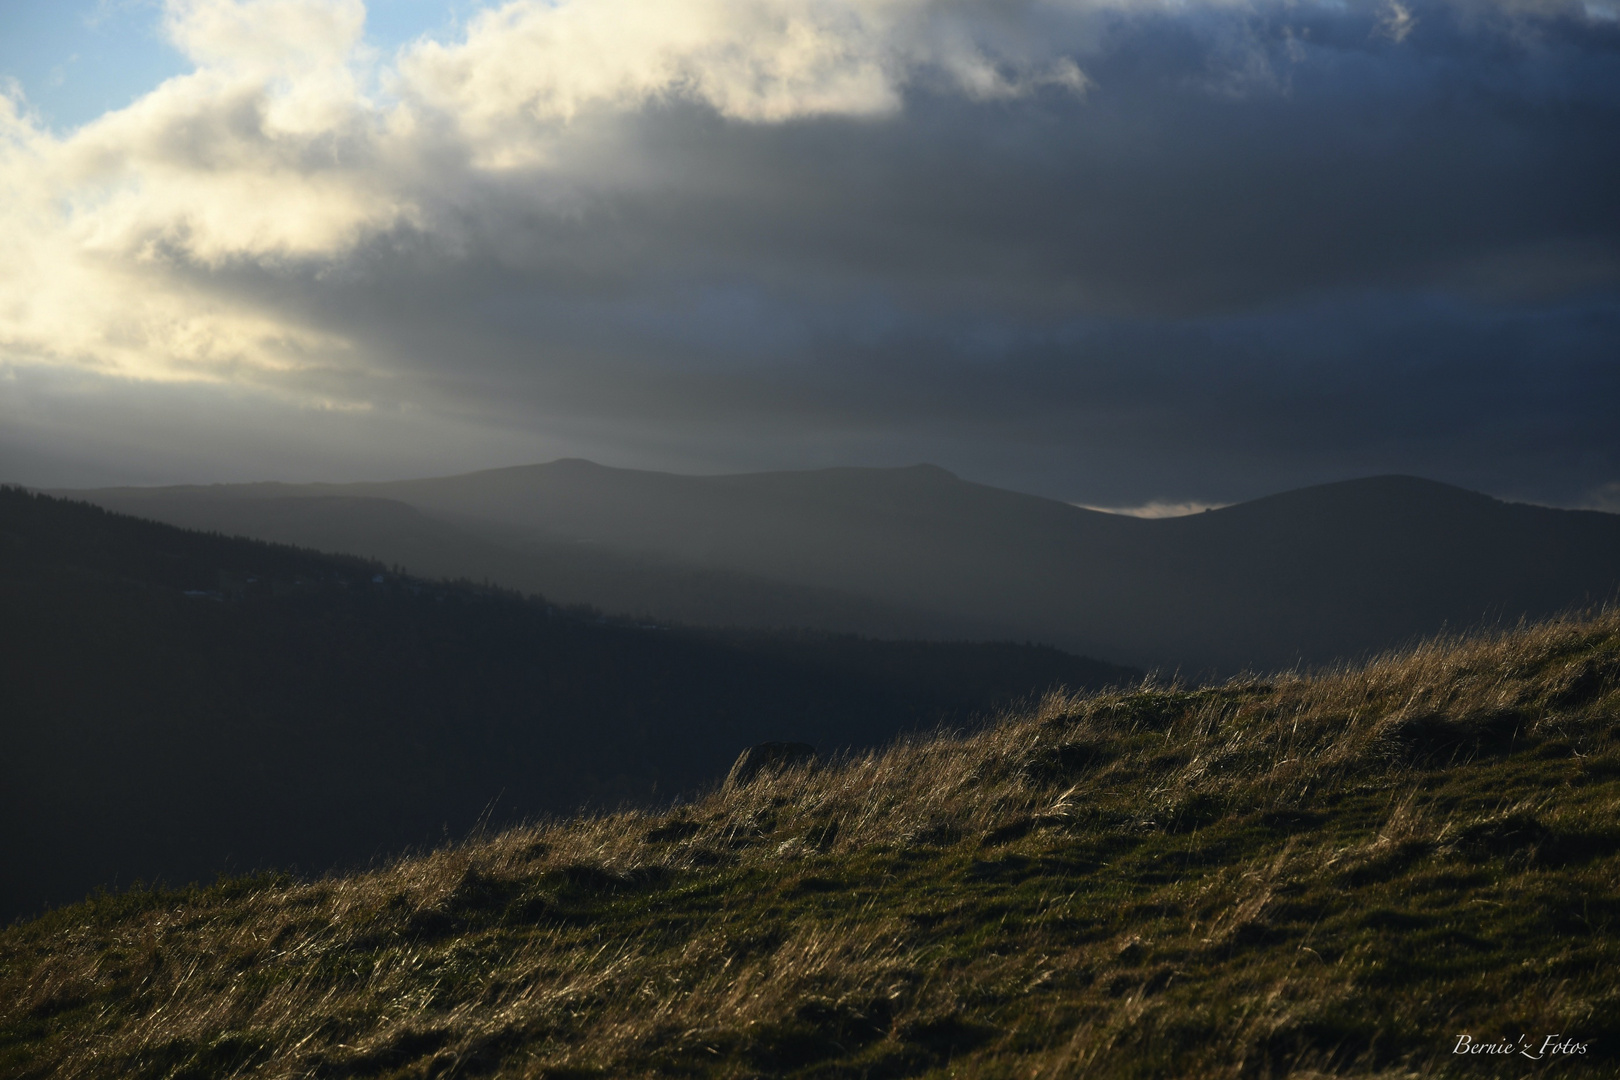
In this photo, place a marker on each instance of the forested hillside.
(177, 704)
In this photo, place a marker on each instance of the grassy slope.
(1339, 874)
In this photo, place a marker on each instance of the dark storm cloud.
(1261, 250)
(1265, 245)
(1219, 160)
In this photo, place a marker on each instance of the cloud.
(1397, 22)
(1157, 510)
(531, 63)
(1183, 248)
(755, 61)
(280, 38)
(271, 152)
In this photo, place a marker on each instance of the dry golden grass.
(1300, 876)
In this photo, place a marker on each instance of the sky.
(1119, 252)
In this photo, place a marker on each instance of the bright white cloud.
(278, 151)
(758, 60)
(275, 37)
(266, 151)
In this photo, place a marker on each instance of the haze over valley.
(180, 705)
(1311, 577)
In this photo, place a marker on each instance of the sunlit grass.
(1326, 875)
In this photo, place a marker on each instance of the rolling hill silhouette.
(176, 704)
(1312, 576)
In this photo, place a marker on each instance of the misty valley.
(400, 746)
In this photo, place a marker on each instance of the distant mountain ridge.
(174, 704)
(1312, 576)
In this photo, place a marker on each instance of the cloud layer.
(1115, 251)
